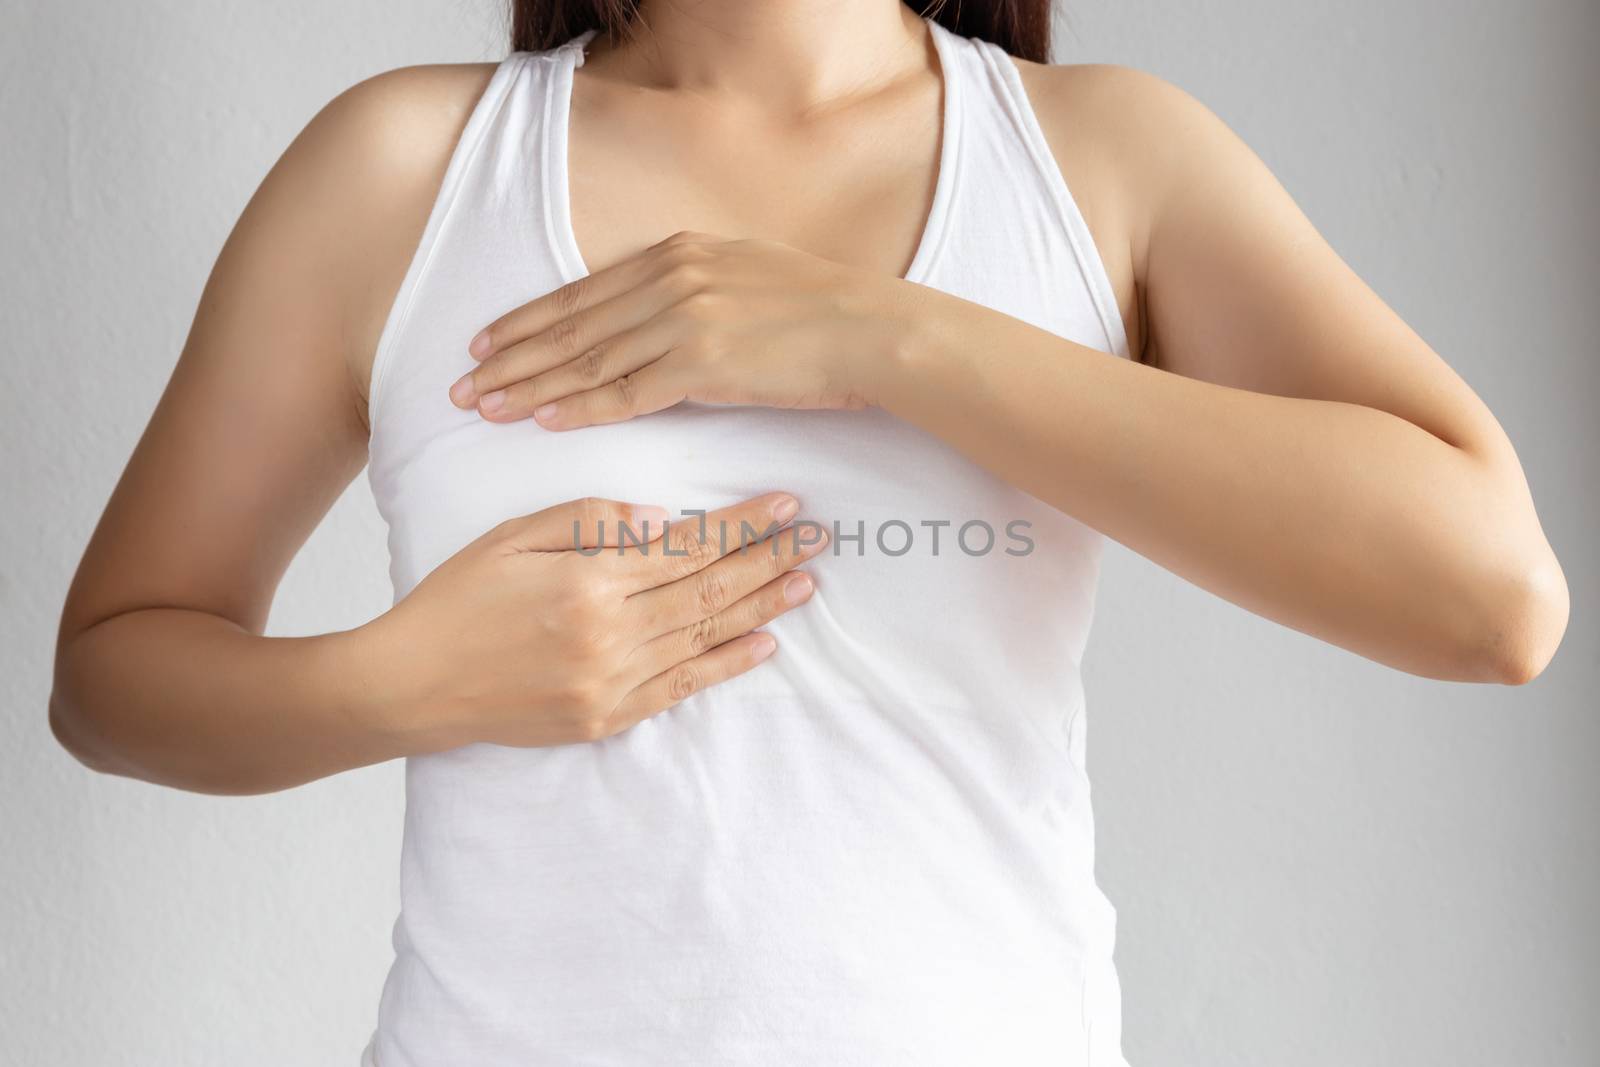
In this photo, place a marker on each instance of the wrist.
(913, 327)
(889, 338)
(379, 691)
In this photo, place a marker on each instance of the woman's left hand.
(692, 318)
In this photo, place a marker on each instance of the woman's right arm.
(162, 669)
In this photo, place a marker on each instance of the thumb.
(589, 522)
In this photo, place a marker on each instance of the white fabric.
(876, 848)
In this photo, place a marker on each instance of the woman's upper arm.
(1244, 291)
(262, 423)
(1236, 287)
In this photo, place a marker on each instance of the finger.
(600, 364)
(781, 594)
(567, 339)
(564, 301)
(694, 541)
(587, 523)
(654, 387)
(692, 600)
(685, 679)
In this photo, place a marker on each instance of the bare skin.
(1281, 439)
(1285, 440)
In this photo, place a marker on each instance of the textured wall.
(1317, 860)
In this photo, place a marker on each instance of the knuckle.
(682, 682)
(590, 509)
(692, 550)
(593, 515)
(581, 698)
(687, 275)
(677, 540)
(592, 365)
(564, 336)
(703, 549)
(594, 726)
(702, 636)
(711, 592)
(627, 391)
(585, 610)
(702, 302)
(685, 239)
(570, 297)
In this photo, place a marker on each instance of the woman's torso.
(877, 847)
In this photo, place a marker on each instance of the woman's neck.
(795, 56)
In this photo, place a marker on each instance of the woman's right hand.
(521, 639)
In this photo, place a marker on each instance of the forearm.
(1341, 521)
(190, 700)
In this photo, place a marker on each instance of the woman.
(878, 290)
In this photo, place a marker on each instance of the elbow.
(71, 724)
(1526, 626)
(75, 735)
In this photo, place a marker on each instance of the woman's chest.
(880, 488)
(937, 573)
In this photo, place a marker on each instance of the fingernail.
(461, 392)
(762, 646)
(491, 402)
(478, 347)
(545, 412)
(811, 548)
(652, 514)
(797, 588)
(785, 508)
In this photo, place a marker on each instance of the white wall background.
(1317, 860)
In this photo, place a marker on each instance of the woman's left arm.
(1290, 445)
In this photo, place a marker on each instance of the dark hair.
(1021, 27)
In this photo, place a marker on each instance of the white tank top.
(876, 848)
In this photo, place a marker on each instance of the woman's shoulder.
(1125, 139)
(1109, 98)
(390, 135)
(1136, 130)
(1111, 121)
(376, 154)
